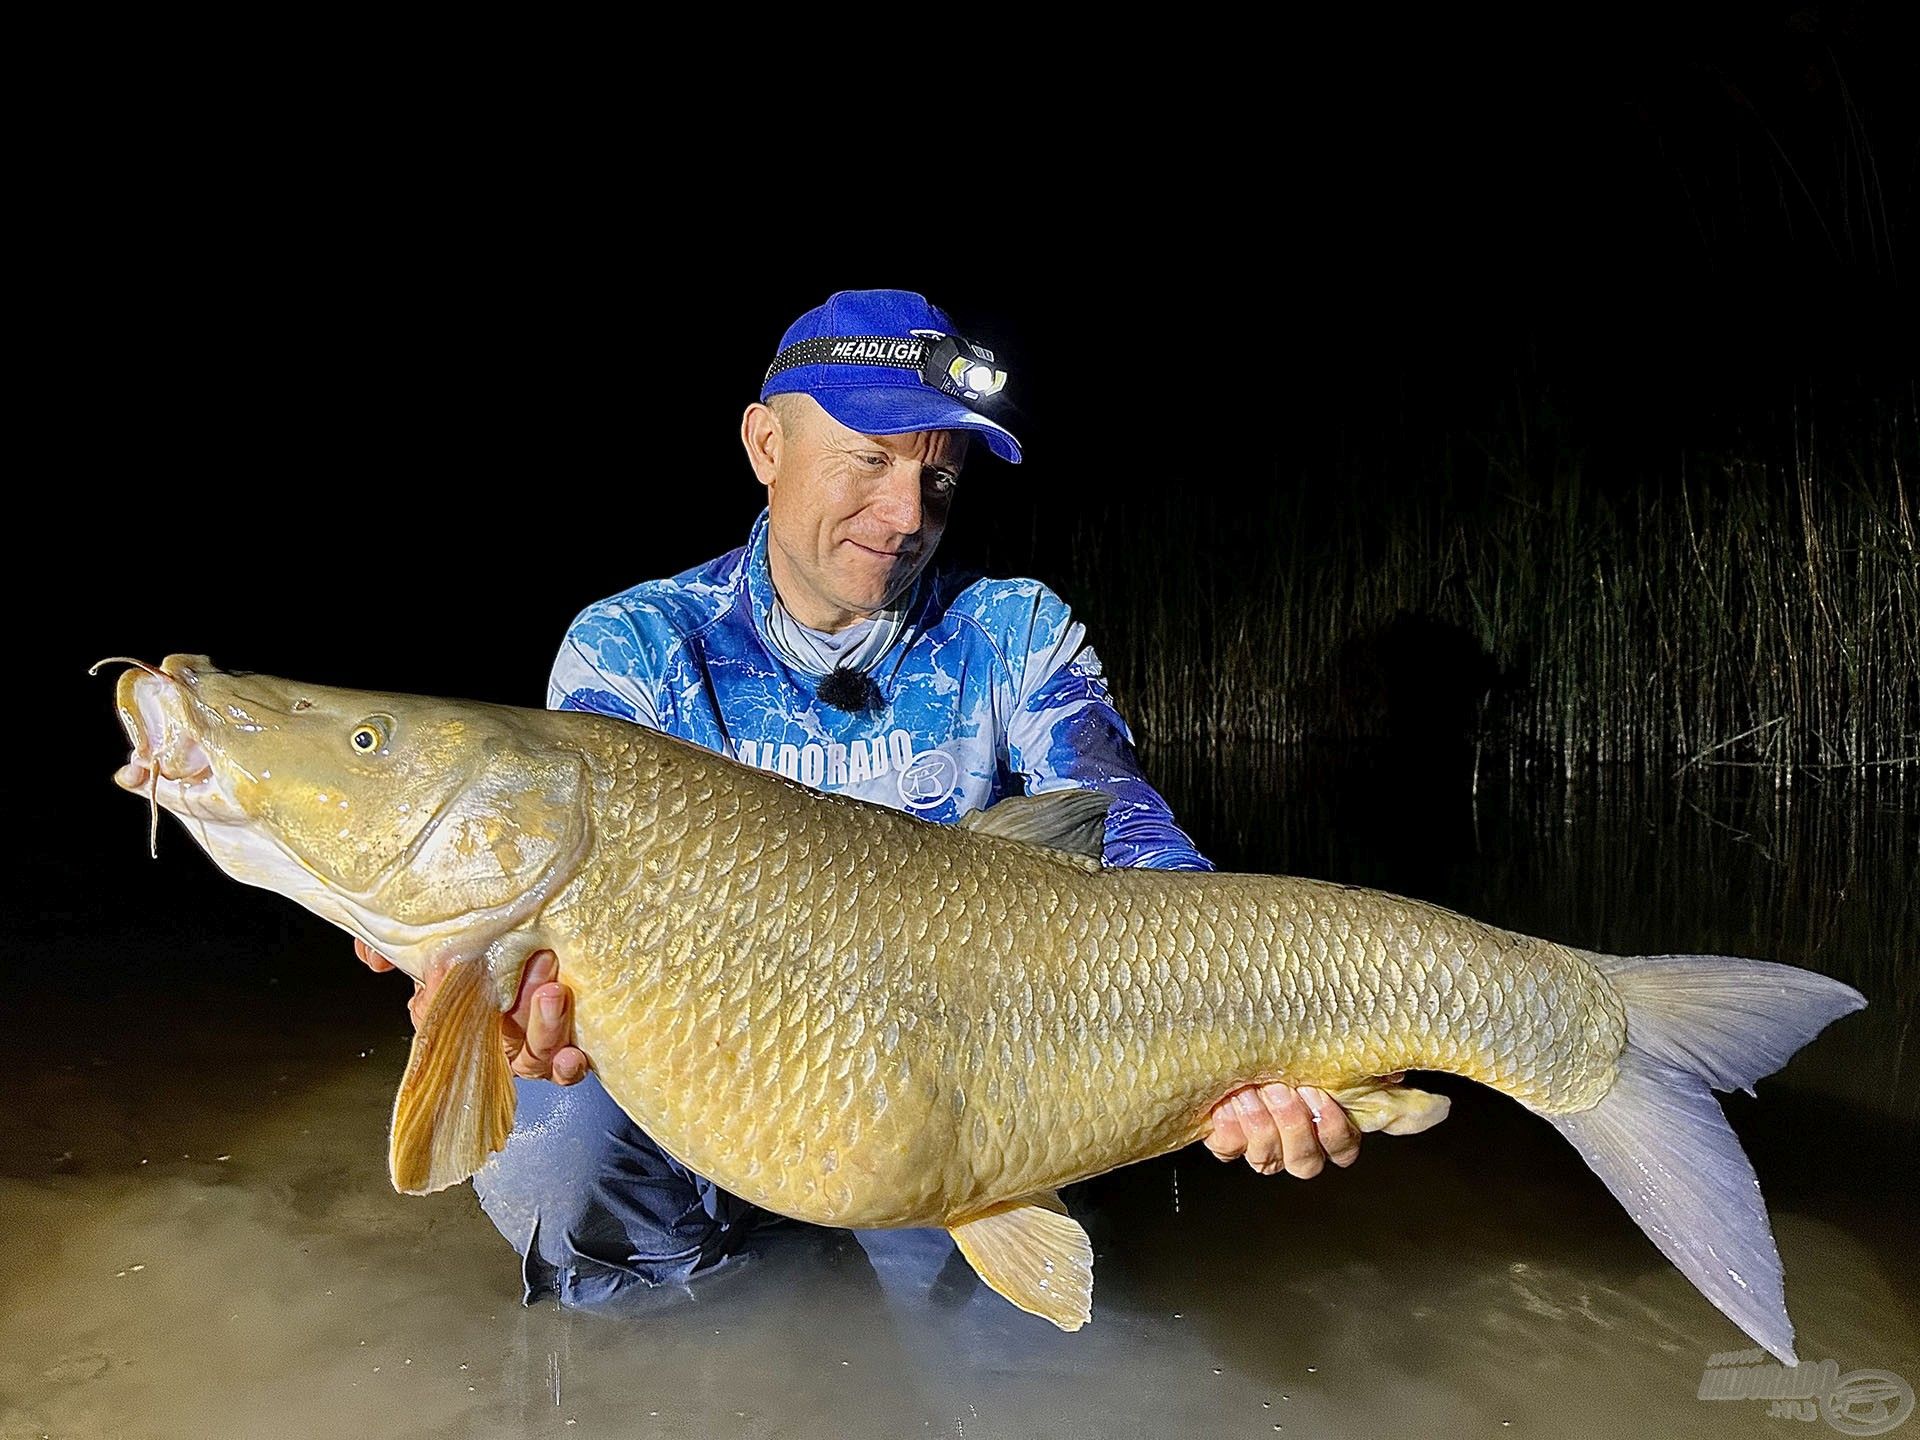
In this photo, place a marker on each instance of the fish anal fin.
(1374, 1105)
(1035, 1255)
(455, 1106)
(1072, 823)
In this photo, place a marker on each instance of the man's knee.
(594, 1207)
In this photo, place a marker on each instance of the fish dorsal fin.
(1071, 821)
(1035, 1255)
(455, 1104)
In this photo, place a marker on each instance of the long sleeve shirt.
(989, 690)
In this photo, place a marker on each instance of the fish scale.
(1116, 1005)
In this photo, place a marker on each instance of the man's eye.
(875, 462)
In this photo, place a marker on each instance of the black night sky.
(362, 396)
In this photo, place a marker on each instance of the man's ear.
(760, 432)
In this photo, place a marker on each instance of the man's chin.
(901, 587)
(872, 593)
(869, 604)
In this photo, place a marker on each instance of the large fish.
(857, 1018)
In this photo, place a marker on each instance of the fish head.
(423, 826)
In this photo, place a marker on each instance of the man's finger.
(1226, 1140)
(539, 1028)
(541, 969)
(424, 990)
(1300, 1147)
(550, 1021)
(1339, 1136)
(1265, 1142)
(371, 957)
(543, 966)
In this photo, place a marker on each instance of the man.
(827, 650)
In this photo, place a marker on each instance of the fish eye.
(369, 736)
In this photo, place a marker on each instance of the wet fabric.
(989, 689)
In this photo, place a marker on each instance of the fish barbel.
(854, 1017)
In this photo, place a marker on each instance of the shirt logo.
(831, 765)
(928, 779)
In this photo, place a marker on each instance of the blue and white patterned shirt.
(990, 690)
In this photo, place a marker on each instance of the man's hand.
(538, 1029)
(1280, 1128)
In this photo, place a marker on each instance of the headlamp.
(948, 363)
(960, 367)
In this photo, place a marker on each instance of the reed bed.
(1760, 613)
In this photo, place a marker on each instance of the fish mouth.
(159, 710)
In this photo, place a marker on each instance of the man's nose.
(898, 502)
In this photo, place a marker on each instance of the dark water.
(200, 1238)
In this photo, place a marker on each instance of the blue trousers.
(598, 1211)
(595, 1208)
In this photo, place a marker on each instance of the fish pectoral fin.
(1033, 1253)
(1072, 823)
(455, 1105)
(1392, 1109)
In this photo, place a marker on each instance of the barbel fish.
(854, 1017)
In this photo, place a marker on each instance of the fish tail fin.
(1695, 1024)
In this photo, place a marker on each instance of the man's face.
(853, 519)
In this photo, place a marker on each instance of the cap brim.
(896, 409)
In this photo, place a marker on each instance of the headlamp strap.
(889, 350)
(946, 363)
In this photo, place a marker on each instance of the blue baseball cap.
(884, 362)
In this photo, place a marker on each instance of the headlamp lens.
(959, 367)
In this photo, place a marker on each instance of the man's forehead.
(946, 444)
(943, 444)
